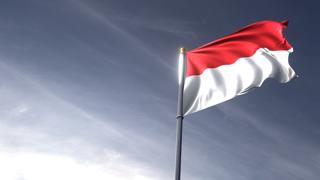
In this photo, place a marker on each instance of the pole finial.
(182, 50)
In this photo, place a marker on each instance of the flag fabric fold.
(235, 64)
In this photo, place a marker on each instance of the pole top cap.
(182, 50)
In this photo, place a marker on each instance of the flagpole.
(182, 69)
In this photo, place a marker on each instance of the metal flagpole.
(182, 70)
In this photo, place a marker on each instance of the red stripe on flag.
(243, 43)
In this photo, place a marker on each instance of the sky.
(88, 90)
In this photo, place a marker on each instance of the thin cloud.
(49, 122)
(39, 166)
(176, 27)
(117, 29)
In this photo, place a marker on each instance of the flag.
(235, 64)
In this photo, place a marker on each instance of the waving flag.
(233, 65)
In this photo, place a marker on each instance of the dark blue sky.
(88, 90)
